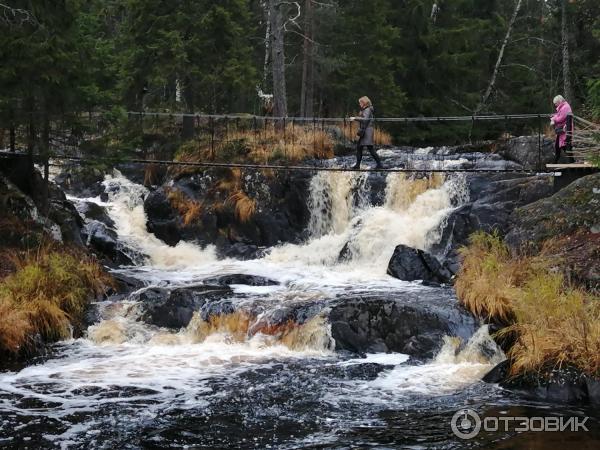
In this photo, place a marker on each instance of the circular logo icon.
(466, 424)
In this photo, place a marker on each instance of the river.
(216, 384)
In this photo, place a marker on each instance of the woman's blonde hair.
(558, 99)
(365, 100)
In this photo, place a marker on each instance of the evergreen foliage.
(73, 57)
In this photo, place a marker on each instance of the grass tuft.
(555, 324)
(45, 296)
(190, 210)
(244, 207)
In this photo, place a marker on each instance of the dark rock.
(526, 151)
(81, 181)
(13, 202)
(242, 252)
(93, 211)
(248, 280)
(64, 214)
(280, 213)
(411, 264)
(105, 241)
(125, 284)
(162, 218)
(576, 207)
(593, 390)
(565, 385)
(414, 324)
(175, 308)
(493, 200)
(497, 374)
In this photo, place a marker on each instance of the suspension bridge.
(276, 141)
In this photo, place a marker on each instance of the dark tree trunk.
(45, 154)
(188, 121)
(31, 133)
(307, 93)
(568, 91)
(278, 60)
(12, 132)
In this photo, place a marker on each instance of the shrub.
(45, 296)
(555, 324)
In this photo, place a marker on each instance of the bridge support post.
(539, 166)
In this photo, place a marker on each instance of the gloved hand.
(551, 121)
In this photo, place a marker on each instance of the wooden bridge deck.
(570, 166)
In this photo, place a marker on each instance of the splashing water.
(287, 370)
(126, 208)
(412, 214)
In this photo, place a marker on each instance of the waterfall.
(343, 218)
(455, 367)
(126, 209)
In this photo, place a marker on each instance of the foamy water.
(148, 371)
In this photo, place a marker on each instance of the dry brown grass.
(556, 324)
(190, 210)
(46, 295)
(244, 207)
(380, 136)
(262, 146)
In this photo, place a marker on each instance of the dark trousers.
(359, 154)
(558, 150)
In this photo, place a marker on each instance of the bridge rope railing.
(494, 117)
(66, 161)
(585, 140)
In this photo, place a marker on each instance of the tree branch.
(492, 82)
(15, 16)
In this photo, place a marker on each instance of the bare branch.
(15, 16)
(492, 82)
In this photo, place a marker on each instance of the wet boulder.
(411, 264)
(243, 252)
(240, 278)
(104, 240)
(162, 218)
(174, 308)
(81, 181)
(531, 152)
(413, 322)
(93, 211)
(562, 385)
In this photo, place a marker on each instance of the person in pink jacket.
(562, 122)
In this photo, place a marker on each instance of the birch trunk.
(307, 93)
(492, 82)
(278, 60)
(568, 91)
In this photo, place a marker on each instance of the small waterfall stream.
(129, 384)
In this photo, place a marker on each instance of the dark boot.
(556, 151)
(375, 156)
(359, 153)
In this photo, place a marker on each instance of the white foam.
(387, 359)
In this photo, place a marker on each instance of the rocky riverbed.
(308, 310)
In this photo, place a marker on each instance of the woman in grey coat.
(365, 132)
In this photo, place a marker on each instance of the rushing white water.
(173, 369)
(412, 214)
(126, 208)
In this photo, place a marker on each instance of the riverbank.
(540, 288)
(47, 278)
